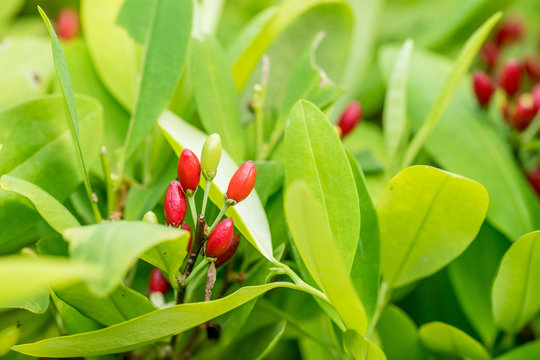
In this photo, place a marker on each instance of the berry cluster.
(218, 241)
(518, 80)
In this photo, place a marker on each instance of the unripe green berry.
(150, 217)
(211, 154)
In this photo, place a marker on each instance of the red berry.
(175, 205)
(157, 282)
(67, 23)
(242, 182)
(189, 170)
(511, 30)
(523, 112)
(532, 66)
(185, 226)
(483, 87)
(536, 97)
(220, 239)
(350, 117)
(489, 55)
(230, 250)
(510, 78)
(534, 180)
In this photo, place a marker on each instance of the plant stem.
(301, 284)
(192, 258)
(197, 269)
(207, 185)
(220, 215)
(192, 207)
(108, 180)
(382, 301)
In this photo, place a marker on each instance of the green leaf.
(266, 339)
(73, 320)
(165, 49)
(528, 351)
(358, 347)
(145, 329)
(215, 94)
(249, 216)
(62, 73)
(516, 291)
(395, 122)
(441, 338)
(427, 218)
(135, 17)
(313, 153)
(121, 305)
(465, 142)
(286, 14)
(48, 161)
(115, 246)
(399, 335)
(37, 303)
(460, 67)
(47, 206)
(114, 53)
(317, 247)
(472, 276)
(270, 175)
(366, 268)
(22, 277)
(30, 69)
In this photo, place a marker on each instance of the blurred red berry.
(524, 112)
(220, 239)
(532, 66)
(185, 226)
(67, 23)
(222, 259)
(242, 182)
(483, 87)
(536, 96)
(350, 117)
(189, 170)
(534, 180)
(510, 77)
(489, 55)
(157, 282)
(175, 205)
(510, 30)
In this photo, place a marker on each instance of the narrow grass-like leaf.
(67, 90)
(395, 121)
(48, 207)
(216, 97)
(444, 339)
(313, 153)
(249, 215)
(314, 239)
(146, 329)
(116, 246)
(516, 291)
(427, 218)
(461, 65)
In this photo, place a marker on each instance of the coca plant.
(327, 225)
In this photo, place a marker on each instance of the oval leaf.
(516, 291)
(47, 206)
(313, 153)
(313, 238)
(145, 329)
(116, 246)
(249, 216)
(447, 340)
(427, 218)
